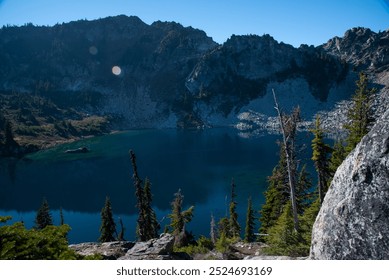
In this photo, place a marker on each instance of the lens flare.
(116, 70)
(93, 50)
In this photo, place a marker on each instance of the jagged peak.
(167, 24)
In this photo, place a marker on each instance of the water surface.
(201, 163)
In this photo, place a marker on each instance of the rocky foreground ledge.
(162, 249)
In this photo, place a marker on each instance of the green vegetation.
(320, 152)
(277, 220)
(275, 196)
(108, 226)
(287, 216)
(202, 246)
(283, 238)
(223, 244)
(147, 223)
(234, 227)
(360, 114)
(49, 243)
(43, 119)
(338, 155)
(43, 217)
(250, 223)
(179, 219)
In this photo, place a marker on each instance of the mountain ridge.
(173, 76)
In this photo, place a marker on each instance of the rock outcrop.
(157, 248)
(108, 250)
(362, 48)
(353, 222)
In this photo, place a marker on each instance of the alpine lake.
(201, 163)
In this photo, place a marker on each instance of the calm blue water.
(201, 163)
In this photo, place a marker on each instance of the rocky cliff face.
(169, 75)
(72, 65)
(362, 48)
(353, 222)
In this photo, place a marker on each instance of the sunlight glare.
(93, 50)
(116, 70)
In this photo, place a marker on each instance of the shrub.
(19, 243)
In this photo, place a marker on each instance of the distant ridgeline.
(90, 77)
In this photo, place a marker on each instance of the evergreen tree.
(151, 223)
(360, 114)
(178, 217)
(9, 136)
(337, 157)
(122, 229)
(43, 217)
(320, 152)
(233, 222)
(139, 193)
(61, 218)
(224, 227)
(288, 125)
(303, 190)
(283, 239)
(213, 233)
(308, 219)
(276, 195)
(147, 223)
(108, 227)
(250, 223)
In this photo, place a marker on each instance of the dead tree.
(288, 125)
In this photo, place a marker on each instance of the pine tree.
(9, 136)
(283, 239)
(147, 222)
(122, 229)
(308, 219)
(288, 125)
(303, 190)
(276, 195)
(224, 227)
(360, 114)
(178, 217)
(43, 217)
(151, 223)
(108, 227)
(320, 152)
(61, 218)
(234, 226)
(213, 233)
(337, 157)
(139, 193)
(250, 223)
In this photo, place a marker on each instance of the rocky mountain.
(123, 74)
(71, 64)
(361, 48)
(353, 222)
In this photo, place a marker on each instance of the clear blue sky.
(291, 21)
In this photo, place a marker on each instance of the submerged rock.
(353, 222)
(81, 150)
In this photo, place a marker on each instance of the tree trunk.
(289, 159)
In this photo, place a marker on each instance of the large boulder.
(353, 222)
(157, 248)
